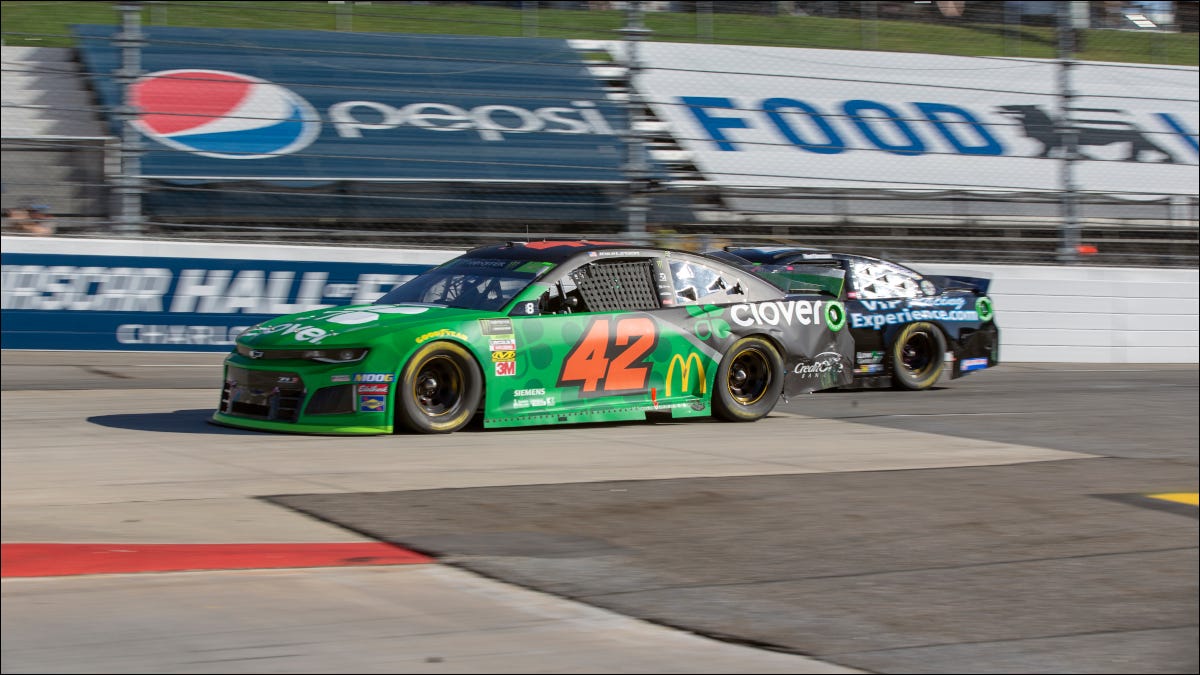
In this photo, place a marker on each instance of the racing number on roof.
(610, 359)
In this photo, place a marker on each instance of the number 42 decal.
(610, 359)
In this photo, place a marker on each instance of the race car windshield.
(467, 283)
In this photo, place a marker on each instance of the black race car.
(907, 326)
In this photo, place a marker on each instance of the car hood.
(353, 325)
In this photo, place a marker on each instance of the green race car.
(539, 333)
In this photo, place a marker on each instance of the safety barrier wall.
(141, 295)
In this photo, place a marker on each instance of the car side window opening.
(875, 279)
(696, 283)
(563, 297)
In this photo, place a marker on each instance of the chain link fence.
(59, 147)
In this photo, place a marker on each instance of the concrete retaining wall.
(1046, 314)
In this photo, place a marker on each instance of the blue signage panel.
(92, 302)
(263, 104)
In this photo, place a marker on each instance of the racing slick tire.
(918, 356)
(749, 381)
(439, 390)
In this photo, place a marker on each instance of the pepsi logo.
(224, 115)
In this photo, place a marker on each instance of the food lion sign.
(810, 118)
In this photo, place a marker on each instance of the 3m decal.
(506, 368)
(610, 357)
(685, 371)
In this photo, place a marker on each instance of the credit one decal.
(58, 301)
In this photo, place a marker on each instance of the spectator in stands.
(34, 219)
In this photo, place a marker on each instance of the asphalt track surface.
(1019, 520)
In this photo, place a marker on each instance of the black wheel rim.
(917, 354)
(749, 377)
(438, 387)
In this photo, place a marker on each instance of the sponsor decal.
(374, 377)
(502, 345)
(374, 388)
(496, 326)
(339, 378)
(835, 315)
(968, 365)
(983, 307)
(712, 328)
(444, 332)
(224, 115)
(909, 315)
(790, 312)
(532, 398)
(869, 368)
(506, 368)
(287, 379)
(685, 371)
(504, 356)
(869, 357)
(300, 332)
(372, 403)
(825, 362)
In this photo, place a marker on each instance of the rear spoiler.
(950, 282)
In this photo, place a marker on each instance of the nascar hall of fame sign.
(819, 118)
(60, 300)
(274, 104)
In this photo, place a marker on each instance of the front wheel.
(439, 389)
(918, 356)
(749, 381)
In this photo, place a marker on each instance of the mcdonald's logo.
(685, 372)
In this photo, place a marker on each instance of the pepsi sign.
(224, 115)
(318, 106)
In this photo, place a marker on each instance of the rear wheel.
(918, 356)
(749, 381)
(439, 389)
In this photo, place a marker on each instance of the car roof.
(556, 251)
(777, 253)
